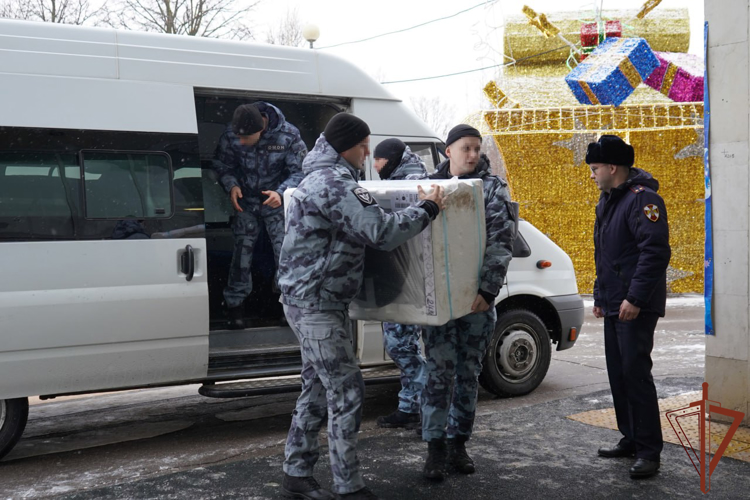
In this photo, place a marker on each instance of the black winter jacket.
(631, 241)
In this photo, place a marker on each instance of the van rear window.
(426, 151)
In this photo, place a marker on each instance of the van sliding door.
(102, 261)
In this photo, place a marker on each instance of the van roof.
(50, 49)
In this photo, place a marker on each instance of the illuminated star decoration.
(674, 274)
(578, 144)
(694, 149)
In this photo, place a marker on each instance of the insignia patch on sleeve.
(652, 212)
(363, 196)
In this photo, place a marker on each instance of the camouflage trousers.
(401, 342)
(332, 386)
(454, 355)
(246, 228)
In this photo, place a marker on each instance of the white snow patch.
(676, 301)
(61, 489)
(692, 347)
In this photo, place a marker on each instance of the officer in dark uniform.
(631, 241)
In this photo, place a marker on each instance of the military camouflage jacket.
(501, 225)
(273, 164)
(330, 220)
(411, 167)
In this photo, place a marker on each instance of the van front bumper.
(570, 311)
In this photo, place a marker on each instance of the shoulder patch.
(275, 147)
(637, 189)
(364, 196)
(652, 212)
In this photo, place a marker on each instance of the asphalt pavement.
(172, 443)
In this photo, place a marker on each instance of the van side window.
(35, 201)
(427, 152)
(123, 184)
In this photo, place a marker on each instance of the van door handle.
(187, 263)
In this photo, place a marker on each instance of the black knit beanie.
(247, 120)
(612, 150)
(391, 150)
(460, 131)
(345, 131)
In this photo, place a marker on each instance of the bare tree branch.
(288, 31)
(211, 18)
(435, 112)
(51, 11)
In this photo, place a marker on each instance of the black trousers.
(628, 346)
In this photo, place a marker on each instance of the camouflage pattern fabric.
(410, 168)
(246, 228)
(454, 351)
(501, 226)
(330, 219)
(401, 342)
(273, 164)
(454, 355)
(332, 387)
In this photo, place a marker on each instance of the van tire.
(518, 356)
(13, 416)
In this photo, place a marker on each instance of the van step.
(378, 375)
(219, 339)
(258, 355)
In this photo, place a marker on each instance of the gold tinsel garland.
(667, 30)
(544, 151)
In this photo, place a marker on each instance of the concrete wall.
(727, 365)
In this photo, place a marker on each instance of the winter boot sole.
(435, 476)
(454, 468)
(296, 496)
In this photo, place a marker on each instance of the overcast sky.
(467, 41)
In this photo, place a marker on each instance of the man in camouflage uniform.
(394, 160)
(455, 350)
(257, 158)
(330, 220)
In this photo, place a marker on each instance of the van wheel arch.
(14, 414)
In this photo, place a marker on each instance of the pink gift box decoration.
(679, 76)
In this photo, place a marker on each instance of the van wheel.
(13, 416)
(518, 356)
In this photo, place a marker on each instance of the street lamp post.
(311, 33)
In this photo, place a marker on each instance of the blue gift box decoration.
(612, 71)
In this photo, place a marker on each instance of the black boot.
(236, 317)
(434, 467)
(400, 419)
(457, 456)
(617, 451)
(363, 494)
(644, 468)
(305, 488)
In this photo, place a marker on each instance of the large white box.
(434, 277)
